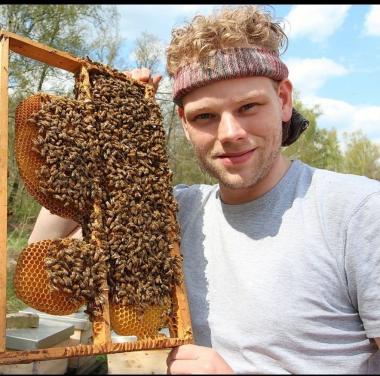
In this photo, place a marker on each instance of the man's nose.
(230, 129)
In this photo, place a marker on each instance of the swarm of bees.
(103, 157)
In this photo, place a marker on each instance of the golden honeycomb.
(127, 321)
(28, 160)
(32, 284)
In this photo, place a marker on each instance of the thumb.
(156, 81)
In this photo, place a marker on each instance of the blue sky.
(333, 55)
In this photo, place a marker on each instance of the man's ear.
(181, 114)
(285, 89)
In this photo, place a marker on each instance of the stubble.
(260, 167)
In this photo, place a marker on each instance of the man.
(281, 260)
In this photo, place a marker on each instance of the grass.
(102, 368)
(21, 219)
(13, 303)
(16, 241)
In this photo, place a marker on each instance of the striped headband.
(228, 63)
(234, 63)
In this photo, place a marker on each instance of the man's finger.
(144, 75)
(184, 352)
(141, 74)
(156, 78)
(156, 81)
(171, 356)
(183, 367)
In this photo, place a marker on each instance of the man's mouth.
(231, 159)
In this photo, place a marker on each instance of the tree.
(105, 45)
(182, 159)
(78, 29)
(362, 156)
(148, 52)
(317, 147)
(82, 30)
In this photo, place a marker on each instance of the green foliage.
(362, 156)
(182, 160)
(17, 240)
(55, 25)
(317, 147)
(320, 148)
(102, 367)
(14, 304)
(184, 164)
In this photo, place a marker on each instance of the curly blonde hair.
(241, 26)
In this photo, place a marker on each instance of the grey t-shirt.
(290, 282)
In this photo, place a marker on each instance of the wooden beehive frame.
(102, 342)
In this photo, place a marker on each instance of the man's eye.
(247, 107)
(204, 116)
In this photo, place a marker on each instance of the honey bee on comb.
(100, 159)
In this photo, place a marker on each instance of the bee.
(66, 290)
(97, 255)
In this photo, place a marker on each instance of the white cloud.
(345, 117)
(156, 19)
(317, 22)
(309, 75)
(372, 21)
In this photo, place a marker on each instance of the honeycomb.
(30, 271)
(128, 321)
(28, 160)
(101, 160)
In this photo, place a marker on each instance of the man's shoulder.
(184, 191)
(343, 190)
(344, 183)
(336, 198)
(191, 199)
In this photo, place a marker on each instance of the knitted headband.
(234, 63)
(228, 63)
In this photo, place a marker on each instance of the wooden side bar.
(182, 306)
(101, 328)
(4, 59)
(41, 52)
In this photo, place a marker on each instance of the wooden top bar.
(41, 52)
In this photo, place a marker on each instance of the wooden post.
(4, 58)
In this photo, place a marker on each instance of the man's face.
(235, 127)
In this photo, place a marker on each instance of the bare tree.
(149, 52)
(83, 30)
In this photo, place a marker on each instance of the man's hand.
(144, 75)
(192, 359)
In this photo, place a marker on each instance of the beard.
(258, 168)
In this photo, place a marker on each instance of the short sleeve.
(179, 189)
(362, 262)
